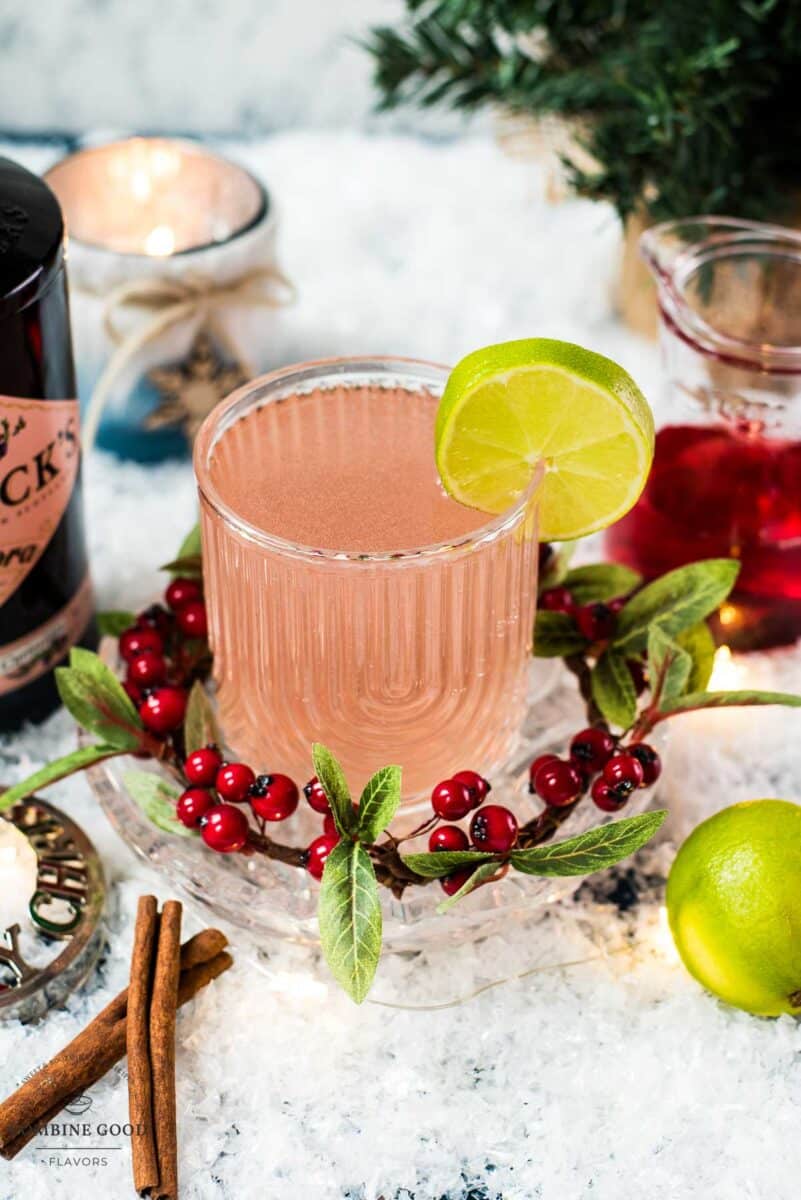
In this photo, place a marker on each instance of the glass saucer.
(268, 897)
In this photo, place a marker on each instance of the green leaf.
(97, 707)
(668, 666)
(676, 601)
(442, 862)
(349, 913)
(379, 803)
(700, 645)
(479, 876)
(188, 561)
(78, 760)
(613, 689)
(192, 543)
(335, 786)
(591, 851)
(114, 622)
(157, 799)
(190, 567)
(200, 725)
(92, 666)
(742, 699)
(600, 581)
(555, 636)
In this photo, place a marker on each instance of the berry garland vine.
(640, 654)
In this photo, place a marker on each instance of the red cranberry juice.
(724, 491)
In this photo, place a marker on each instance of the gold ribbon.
(165, 303)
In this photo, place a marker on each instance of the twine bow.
(167, 303)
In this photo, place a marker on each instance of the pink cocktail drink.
(351, 600)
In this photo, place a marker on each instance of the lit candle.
(18, 869)
(172, 263)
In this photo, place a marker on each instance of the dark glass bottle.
(46, 604)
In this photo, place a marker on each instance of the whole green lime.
(734, 905)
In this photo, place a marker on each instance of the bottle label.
(37, 653)
(39, 456)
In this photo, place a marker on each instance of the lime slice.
(508, 406)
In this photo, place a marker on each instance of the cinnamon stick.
(163, 1009)
(97, 1049)
(144, 1159)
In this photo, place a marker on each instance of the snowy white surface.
(614, 1078)
(222, 66)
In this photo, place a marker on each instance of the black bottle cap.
(31, 237)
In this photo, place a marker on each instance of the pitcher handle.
(663, 246)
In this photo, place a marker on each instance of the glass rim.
(265, 209)
(243, 399)
(724, 238)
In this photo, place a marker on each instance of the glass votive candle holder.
(351, 601)
(172, 264)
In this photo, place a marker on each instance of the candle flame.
(160, 242)
(729, 673)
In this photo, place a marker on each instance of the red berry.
(318, 852)
(494, 828)
(147, 670)
(181, 592)
(225, 828)
(192, 620)
(542, 761)
(606, 796)
(156, 618)
(163, 710)
(330, 825)
(134, 642)
(592, 748)
(274, 797)
(192, 806)
(451, 884)
(596, 621)
(451, 800)
(315, 794)
(233, 781)
(449, 837)
(649, 760)
(478, 787)
(624, 773)
(133, 692)
(617, 604)
(201, 766)
(557, 599)
(559, 783)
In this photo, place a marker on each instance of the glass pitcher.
(726, 478)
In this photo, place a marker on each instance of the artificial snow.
(612, 1078)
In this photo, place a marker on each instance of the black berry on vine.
(274, 797)
(624, 772)
(649, 760)
(451, 800)
(558, 783)
(181, 592)
(494, 828)
(478, 787)
(193, 805)
(225, 828)
(163, 710)
(315, 794)
(318, 852)
(592, 748)
(201, 766)
(233, 781)
(448, 837)
(597, 622)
